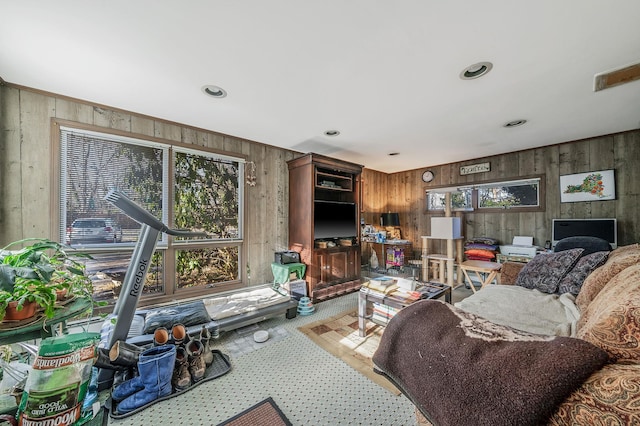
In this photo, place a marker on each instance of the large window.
(183, 187)
(513, 195)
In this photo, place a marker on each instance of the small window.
(460, 200)
(507, 195)
(513, 195)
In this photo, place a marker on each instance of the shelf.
(331, 181)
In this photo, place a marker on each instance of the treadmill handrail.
(137, 213)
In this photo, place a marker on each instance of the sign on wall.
(475, 168)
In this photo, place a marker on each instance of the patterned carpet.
(339, 336)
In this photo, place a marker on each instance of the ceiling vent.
(617, 77)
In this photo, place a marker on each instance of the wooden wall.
(405, 191)
(25, 178)
(26, 170)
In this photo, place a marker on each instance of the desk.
(282, 272)
(42, 327)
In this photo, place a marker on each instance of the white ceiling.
(383, 73)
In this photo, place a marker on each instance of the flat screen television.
(333, 219)
(602, 228)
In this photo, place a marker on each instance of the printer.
(521, 246)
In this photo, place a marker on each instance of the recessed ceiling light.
(394, 153)
(476, 70)
(215, 91)
(332, 132)
(514, 123)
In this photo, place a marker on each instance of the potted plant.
(34, 273)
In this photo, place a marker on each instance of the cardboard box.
(446, 227)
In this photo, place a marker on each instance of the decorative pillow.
(444, 358)
(487, 254)
(572, 282)
(596, 281)
(609, 396)
(545, 271)
(612, 319)
(623, 250)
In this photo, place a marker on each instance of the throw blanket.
(525, 309)
(460, 369)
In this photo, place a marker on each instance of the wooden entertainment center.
(329, 244)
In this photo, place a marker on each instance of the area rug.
(339, 336)
(264, 413)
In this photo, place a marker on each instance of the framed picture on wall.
(591, 186)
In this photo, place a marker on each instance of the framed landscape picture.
(591, 186)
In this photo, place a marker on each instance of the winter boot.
(179, 334)
(155, 369)
(205, 336)
(181, 378)
(102, 361)
(123, 353)
(197, 366)
(160, 336)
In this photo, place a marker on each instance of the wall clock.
(427, 176)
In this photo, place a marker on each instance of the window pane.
(460, 200)
(107, 271)
(517, 195)
(93, 166)
(206, 195)
(203, 267)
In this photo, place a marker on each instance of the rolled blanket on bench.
(461, 369)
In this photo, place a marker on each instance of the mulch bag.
(58, 382)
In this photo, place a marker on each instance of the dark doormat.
(264, 413)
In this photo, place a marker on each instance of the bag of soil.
(58, 382)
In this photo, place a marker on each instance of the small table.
(282, 272)
(480, 267)
(430, 290)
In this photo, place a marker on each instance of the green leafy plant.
(37, 271)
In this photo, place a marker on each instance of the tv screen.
(335, 220)
(602, 228)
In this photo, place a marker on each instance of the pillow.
(545, 271)
(596, 281)
(461, 369)
(186, 314)
(487, 254)
(612, 319)
(624, 250)
(572, 282)
(608, 396)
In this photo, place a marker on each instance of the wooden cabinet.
(324, 222)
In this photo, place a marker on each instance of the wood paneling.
(26, 170)
(406, 192)
(25, 179)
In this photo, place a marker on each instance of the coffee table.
(429, 290)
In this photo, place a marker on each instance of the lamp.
(390, 219)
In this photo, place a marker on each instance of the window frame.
(167, 245)
(490, 183)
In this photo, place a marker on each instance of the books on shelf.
(382, 285)
(383, 313)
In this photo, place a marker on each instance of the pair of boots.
(155, 370)
(192, 360)
(178, 335)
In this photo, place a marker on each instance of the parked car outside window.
(94, 230)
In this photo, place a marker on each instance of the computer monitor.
(602, 228)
